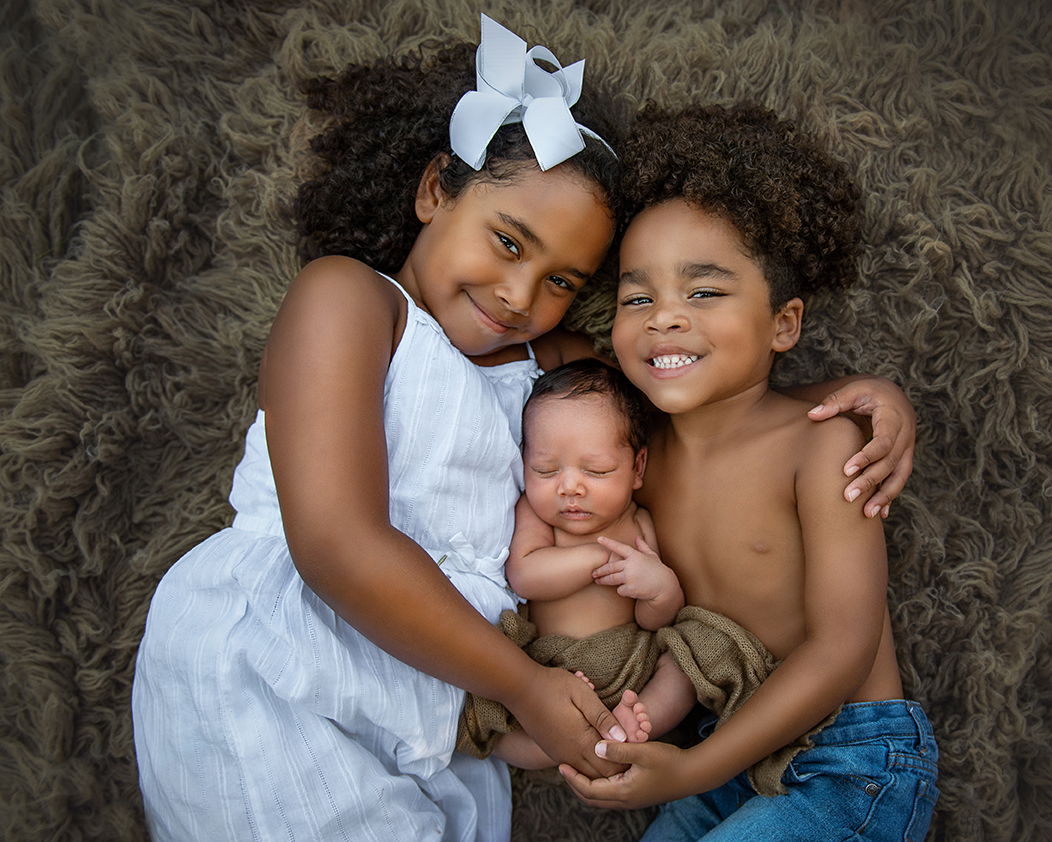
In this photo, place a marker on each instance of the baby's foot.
(584, 678)
(631, 714)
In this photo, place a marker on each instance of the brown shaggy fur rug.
(147, 150)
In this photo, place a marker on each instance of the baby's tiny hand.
(636, 572)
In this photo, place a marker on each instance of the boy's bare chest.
(729, 529)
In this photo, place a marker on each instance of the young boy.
(584, 454)
(740, 216)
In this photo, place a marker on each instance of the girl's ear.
(429, 193)
(787, 323)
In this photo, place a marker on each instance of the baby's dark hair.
(795, 206)
(593, 377)
(386, 122)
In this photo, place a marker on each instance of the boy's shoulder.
(826, 441)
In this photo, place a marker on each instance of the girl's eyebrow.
(527, 233)
(521, 227)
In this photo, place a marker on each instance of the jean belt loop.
(916, 714)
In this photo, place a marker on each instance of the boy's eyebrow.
(694, 271)
(529, 236)
(706, 270)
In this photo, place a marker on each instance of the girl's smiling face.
(499, 265)
(694, 324)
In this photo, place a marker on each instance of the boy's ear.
(787, 322)
(429, 193)
(640, 467)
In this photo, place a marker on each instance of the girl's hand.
(656, 775)
(887, 460)
(565, 717)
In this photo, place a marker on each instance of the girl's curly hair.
(387, 121)
(796, 208)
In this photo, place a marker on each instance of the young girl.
(301, 672)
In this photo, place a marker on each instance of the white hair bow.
(510, 88)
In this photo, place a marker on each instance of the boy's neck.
(715, 421)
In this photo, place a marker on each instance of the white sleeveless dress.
(259, 714)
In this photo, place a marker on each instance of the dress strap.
(397, 286)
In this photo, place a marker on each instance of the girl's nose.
(517, 294)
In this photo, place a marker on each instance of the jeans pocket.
(923, 808)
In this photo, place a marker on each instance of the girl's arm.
(881, 468)
(845, 582)
(322, 390)
(539, 570)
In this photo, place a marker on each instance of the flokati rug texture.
(147, 150)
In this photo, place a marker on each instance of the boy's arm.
(638, 572)
(539, 570)
(881, 468)
(845, 585)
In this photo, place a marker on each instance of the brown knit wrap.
(614, 660)
(726, 664)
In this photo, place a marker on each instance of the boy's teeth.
(673, 360)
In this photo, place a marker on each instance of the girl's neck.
(510, 354)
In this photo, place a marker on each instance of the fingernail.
(885, 511)
(851, 470)
(818, 408)
(852, 495)
(618, 734)
(600, 749)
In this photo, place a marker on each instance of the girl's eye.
(508, 243)
(706, 293)
(598, 473)
(545, 473)
(638, 298)
(562, 283)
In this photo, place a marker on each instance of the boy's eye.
(635, 299)
(706, 293)
(562, 283)
(508, 243)
(545, 472)
(598, 473)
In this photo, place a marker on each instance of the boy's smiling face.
(694, 324)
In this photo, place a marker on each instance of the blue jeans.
(870, 776)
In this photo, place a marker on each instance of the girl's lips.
(575, 514)
(490, 322)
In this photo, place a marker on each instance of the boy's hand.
(656, 775)
(887, 460)
(638, 573)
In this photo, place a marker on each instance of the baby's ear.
(640, 467)
(787, 323)
(429, 193)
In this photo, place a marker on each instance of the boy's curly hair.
(386, 122)
(796, 208)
